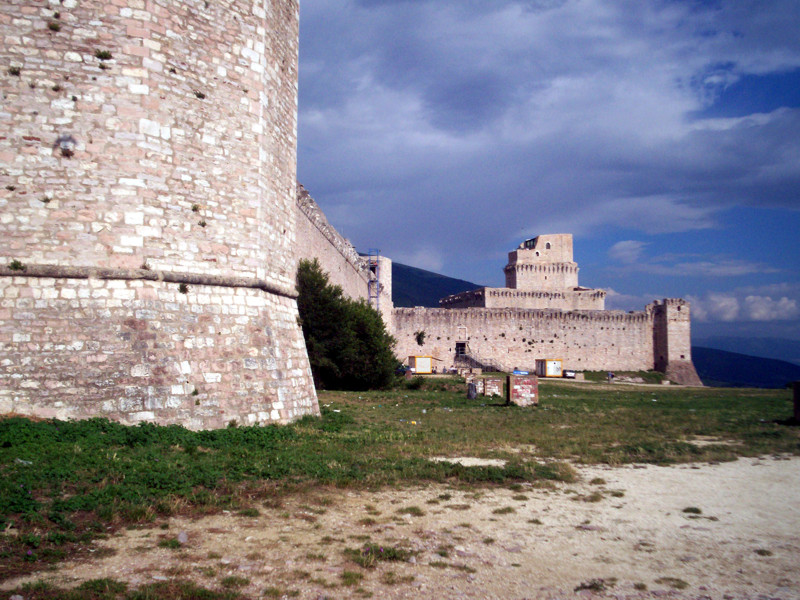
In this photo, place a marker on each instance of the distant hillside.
(417, 287)
(782, 349)
(729, 369)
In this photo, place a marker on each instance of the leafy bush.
(348, 345)
(415, 383)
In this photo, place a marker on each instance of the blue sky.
(664, 135)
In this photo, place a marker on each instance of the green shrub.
(348, 345)
(415, 383)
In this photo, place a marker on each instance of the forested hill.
(730, 369)
(417, 287)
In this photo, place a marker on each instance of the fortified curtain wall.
(515, 338)
(317, 238)
(148, 212)
(511, 298)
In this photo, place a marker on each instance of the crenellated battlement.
(312, 212)
(539, 274)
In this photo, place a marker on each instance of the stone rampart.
(150, 150)
(139, 350)
(510, 298)
(317, 238)
(584, 340)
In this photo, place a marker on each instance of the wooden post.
(796, 387)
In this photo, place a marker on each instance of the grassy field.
(63, 484)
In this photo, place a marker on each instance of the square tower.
(543, 263)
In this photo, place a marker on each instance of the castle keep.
(147, 212)
(539, 274)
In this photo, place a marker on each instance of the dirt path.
(500, 543)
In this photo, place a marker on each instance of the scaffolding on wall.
(374, 278)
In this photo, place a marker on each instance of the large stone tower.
(147, 211)
(540, 274)
(672, 340)
(543, 263)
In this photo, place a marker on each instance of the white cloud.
(722, 307)
(764, 308)
(711, 268)
(628, 251)
(618, 301)
(739, 306)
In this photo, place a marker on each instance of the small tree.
(347, 342)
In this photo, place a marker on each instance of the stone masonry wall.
(584, 340)
(672, 342)
(511, 298)
(184, 154)
(317, 238)
(143, 351)
(150, 140)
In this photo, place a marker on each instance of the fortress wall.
(176, 157)
(567, 300)
(547, 276)
(584, 340)
(512, 298)
(317, 238)
(137, 351)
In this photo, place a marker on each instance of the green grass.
(370, 554)
(673, 582)
(64, 483)
(415, 511)
(503, 511)
(232, 581)
(350, 578)
(649, 377)
(597, 585)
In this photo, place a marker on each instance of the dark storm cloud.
(449, 129)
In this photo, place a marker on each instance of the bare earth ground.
(496, 543)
